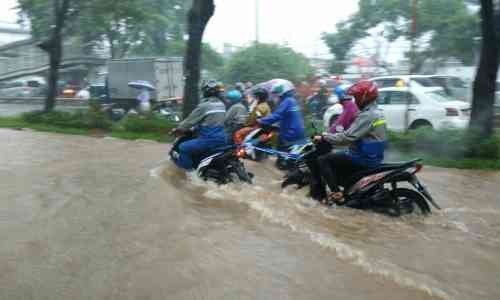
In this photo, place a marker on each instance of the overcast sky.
(296, 22)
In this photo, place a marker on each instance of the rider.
(237, 114)
(262, 109)
(349, 110)
(207, 119)
(288, 114)
(366, 137)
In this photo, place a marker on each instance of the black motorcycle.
(377, 189)
(222, 165)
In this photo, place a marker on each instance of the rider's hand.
(174, 131)
(317, 139)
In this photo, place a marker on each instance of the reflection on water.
(108, 219)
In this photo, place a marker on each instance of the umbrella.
(267, 85)
(141, 84)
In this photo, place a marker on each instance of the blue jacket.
(290, 119)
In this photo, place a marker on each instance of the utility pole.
(413, 53)
(257, 29)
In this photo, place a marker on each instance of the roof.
(18, 44)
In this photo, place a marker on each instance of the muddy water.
(84, 218)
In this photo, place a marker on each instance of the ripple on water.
(284, 208)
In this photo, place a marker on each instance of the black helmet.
(261, 94)
(212, 88)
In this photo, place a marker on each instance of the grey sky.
(7, 14)
(296, 22)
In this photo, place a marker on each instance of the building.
(10, 32)
(24, 58)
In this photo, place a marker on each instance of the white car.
(428, 108)
(497, 93)
(422, 81)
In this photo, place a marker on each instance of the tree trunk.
(54, 47)
(198, 17)
(481, 123)
(55, 61)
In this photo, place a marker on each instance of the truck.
(166, 74)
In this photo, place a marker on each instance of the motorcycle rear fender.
(413, 180)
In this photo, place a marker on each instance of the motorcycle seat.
(218, 150)
(386, 167)
(397, 165)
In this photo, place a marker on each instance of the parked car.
(497, 93)
(404, 80)
(428, 108)
(30, 87)
(454, 86)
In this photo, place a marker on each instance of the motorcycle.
(163, 110)
(255, 137)
(377, 189)
(222, 165)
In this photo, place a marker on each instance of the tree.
(200, 13)
(481, 123)
(119, 23)
(55, 19)
(448, 24)
(262, 62)
(165, 24)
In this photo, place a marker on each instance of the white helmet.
(281, 86)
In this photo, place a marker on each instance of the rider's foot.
(335, 198)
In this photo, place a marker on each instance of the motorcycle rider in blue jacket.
(288, 114)
(207, 120)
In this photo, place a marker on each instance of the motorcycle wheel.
(408, 201)
(241, 172)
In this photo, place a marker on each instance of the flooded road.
(87, 218)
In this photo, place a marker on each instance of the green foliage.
(123, 24)
(450, 144)
(262, 62)
(82, 123)
(80, 119)
(453, 27)
(145, 124)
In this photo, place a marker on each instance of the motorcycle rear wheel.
(407, 201)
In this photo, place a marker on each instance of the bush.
(84, 119)
(452, 144)
(148, 123)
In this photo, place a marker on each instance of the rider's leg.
(196, 147)
(337, 165)
(317, 185)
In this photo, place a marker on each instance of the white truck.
(166, 74)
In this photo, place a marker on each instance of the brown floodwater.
(90, 218)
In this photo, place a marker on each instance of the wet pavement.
(88, 218)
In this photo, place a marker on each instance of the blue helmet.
(341, 91)
(234, 96)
